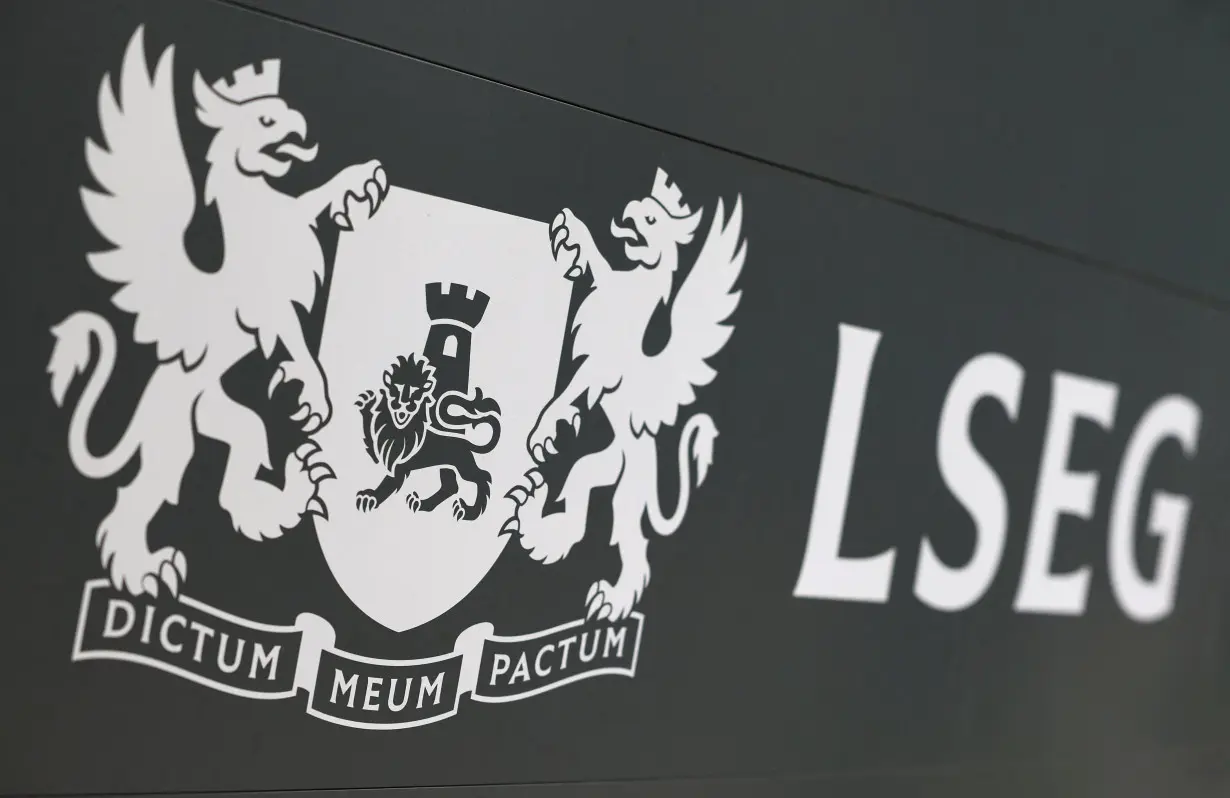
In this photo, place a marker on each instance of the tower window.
(450, 346)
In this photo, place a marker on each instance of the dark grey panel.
(1182, 774)
(1097, 126)
(737, 679)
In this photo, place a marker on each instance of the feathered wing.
(699, 330)
(146, 203)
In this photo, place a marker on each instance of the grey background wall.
(1097, 126)
(1076, 149)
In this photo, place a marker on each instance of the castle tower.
(455, 310)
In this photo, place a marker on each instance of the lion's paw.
(365, 501)
(146, 573)
(414, 501)
(607, 602)
(465, 512)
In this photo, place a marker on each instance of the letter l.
(825, 575)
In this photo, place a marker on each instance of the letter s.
(973, 482)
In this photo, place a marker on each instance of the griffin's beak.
(294, 144)
(627, 233)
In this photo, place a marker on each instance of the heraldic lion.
(406, 429)
(201, 323)
(640, 394)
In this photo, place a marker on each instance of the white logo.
(432, 426)
(201, 323)
(639, 394)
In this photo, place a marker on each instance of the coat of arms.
(428, 413)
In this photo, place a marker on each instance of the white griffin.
(640, 394)
(201, 323)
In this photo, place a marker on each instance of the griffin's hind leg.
(258, 510)
(164, 421)
(606, 601)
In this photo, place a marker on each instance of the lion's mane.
(388, 445)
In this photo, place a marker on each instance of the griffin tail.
(695, 446)
(70, 358)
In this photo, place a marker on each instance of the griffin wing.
(698, 329)
(147, 202)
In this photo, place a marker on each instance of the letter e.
(1060, 492)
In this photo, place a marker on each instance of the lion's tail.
(71, 357)
(695, 446)
(460, 415)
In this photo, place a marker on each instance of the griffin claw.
(512, 525)
(374, 193)
(598, 608)
(301, 413)
(519, 495)
(313, 423)
(306, 450)
(320, 473)
(549, 446)
(341, 221)
(150, 585)
(535, 477)
(316, 507)
(169, 578)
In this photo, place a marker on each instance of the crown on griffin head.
(669, 196)
(251, 82)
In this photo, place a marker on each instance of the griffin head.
(255, 126)
(409, 388)
(656, 226)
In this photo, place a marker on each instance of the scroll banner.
(255, 660)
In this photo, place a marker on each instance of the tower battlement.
(456, 302)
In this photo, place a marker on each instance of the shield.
(475, 294)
